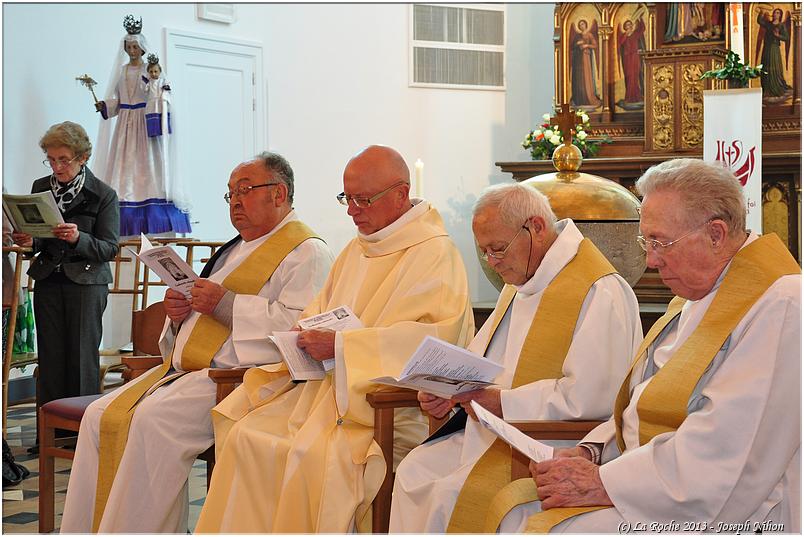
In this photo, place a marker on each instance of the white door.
(216, 88)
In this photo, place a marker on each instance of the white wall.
(336, 80)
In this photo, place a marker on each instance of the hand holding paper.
(533, 449)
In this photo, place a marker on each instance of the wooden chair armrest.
(546, 430)
(398, 398)
(226, 380)
(556, 430)
(137, 365)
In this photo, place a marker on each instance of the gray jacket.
(96, 212)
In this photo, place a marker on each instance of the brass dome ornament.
(604, 211)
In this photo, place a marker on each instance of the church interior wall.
(335, 80)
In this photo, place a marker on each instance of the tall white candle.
(735, 18)
(419, 175)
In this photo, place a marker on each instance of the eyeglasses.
(659, 246)
(243, 190)
(58, 163)
(363, 202)
(499, 254)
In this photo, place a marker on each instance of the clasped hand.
(569, 479)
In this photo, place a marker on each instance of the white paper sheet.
(533, 449)
(443, 369)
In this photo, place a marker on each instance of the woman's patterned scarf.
(66, 193)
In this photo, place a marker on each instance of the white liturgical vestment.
(606, 336)
(734, 464)
(173, 425)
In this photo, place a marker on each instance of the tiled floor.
(20, 503)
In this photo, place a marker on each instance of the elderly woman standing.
(72, 270)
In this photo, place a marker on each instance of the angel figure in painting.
(584, 61)
(773, 32)
(630, 41)
(140, 168)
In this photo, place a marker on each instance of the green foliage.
(735, 71)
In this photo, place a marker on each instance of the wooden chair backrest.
(146, 327)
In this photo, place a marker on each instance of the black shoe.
(13, 472)
(33, 450)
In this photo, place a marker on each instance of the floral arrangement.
(544, 139)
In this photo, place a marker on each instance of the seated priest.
(706, 430)
(132, 461)
(301, 457)
(564, 328)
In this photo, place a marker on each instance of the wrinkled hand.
(66, 232)
(22, 239)
(205, 295)
(569, 482)
(488, 398)
(318, 343)
(177, 306)
(437, 407)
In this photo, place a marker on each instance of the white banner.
(733, 136)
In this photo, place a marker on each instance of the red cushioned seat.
(69, 408)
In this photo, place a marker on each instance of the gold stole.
(542, 357)
(204, 342)
(662, 407)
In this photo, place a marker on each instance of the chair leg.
(47, 500)
(384, 436)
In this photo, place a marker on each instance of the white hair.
(516, 203)
(708, 190)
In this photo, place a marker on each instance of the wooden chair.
(67, 413)
(384, 403)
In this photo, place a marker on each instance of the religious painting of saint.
(772, 50)
(630, 41)
(693, 22)
(585, 64)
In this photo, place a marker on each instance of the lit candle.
(419, 174)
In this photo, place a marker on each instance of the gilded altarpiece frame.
(598, 65)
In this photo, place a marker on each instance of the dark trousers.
(69, 324)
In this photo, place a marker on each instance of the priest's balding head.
(514, 226)
(376, 187)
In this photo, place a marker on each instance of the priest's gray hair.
(708, 190)
(280, 168)
(516, 203)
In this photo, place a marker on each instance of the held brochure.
(301, 365)
(532, 449)
(443, 369)
(34, 214)
(167, 264)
